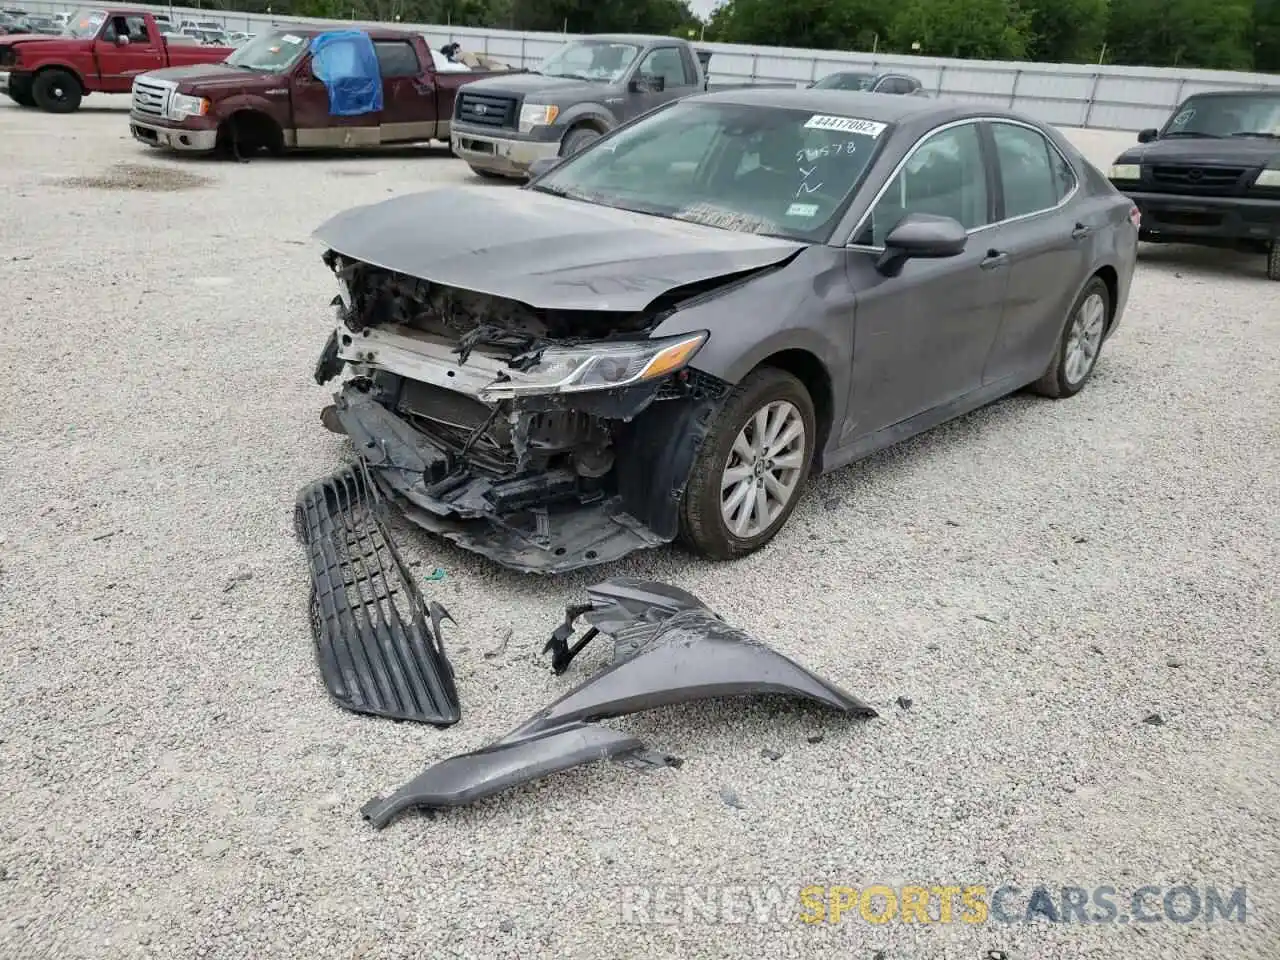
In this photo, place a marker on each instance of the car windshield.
(269, 53)
(603, 60)
(846, 81)
(84, 24)
(1227, 115)
(782, 172)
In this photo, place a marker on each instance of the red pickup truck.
(101, 51)
(266, 96)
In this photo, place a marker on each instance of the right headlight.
(1126, 171)
(599, 366)
(1268, 178)
(537, 115)
(182, 106)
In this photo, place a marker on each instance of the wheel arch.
(813, 373)
(63, 67)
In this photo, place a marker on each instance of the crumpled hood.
(544, 251)
(1224, 152)
(13, 39)
(529, 85)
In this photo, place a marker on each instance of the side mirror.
(122, 41)
(542, 165)
(1147, 135)
(921, 236)
(647, 83)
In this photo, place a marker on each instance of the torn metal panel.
(669, 648)
(543, 252)
(378, 644)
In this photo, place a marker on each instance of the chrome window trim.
(862, 222)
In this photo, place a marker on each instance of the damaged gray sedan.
(666, 334)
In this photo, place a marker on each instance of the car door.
(316, 126)
(1047, 245)
(677, 79)
(408, 93)
(119, 62)
(921, 338)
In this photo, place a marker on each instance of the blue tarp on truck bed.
(347, 64)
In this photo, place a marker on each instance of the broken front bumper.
(175, 138)
(534, 523)
(669, 648)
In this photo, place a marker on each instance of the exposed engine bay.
(545, 439)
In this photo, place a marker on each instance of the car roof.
(636, 38)
(375, 33)
(882, 107)
(1268, 92)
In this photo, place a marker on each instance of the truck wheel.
(56, 91)
(575, 140)
(487, 174)
(1273, 261)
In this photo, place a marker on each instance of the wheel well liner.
(1107, 274)
(810, 371)
(253, 121)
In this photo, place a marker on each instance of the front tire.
(577, 140)
(1076, 356)
(749, 474)
(56, 91)
(487, 174)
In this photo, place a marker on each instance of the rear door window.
(1027, 172)
(397, 58)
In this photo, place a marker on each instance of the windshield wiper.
(1191, 133)
(570, 76)
(1256, 133)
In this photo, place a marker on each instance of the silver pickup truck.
(501, 125)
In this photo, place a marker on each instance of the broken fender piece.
(669, 648)
(379, 646)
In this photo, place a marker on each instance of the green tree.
(818, 24)
(1266, 36)
(976, 29)
(1215, 34)
(1067, 31)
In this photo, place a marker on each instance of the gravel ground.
(1036, 578)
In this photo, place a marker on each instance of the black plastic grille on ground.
(379, 646)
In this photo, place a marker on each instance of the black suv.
(1211, 175)
(871, 83)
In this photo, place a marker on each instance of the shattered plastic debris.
(669, 648)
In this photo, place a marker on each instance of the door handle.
(1081, 231)
(994, 258)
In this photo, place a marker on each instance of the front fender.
(669, 648)
(593, 112)
(236, 103)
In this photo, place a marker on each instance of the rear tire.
(1273, 261)
(576, 140)
(1076, 356)
(711, 489)
(57, 91)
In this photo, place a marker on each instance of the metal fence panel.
(1106, 97)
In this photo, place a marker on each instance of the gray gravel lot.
(1037, 578)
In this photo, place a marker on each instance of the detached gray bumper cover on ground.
(668, 649)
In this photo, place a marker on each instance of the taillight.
(1135, 217)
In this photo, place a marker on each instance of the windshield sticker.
(290, 38)
(802, 210)
(868, 128)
